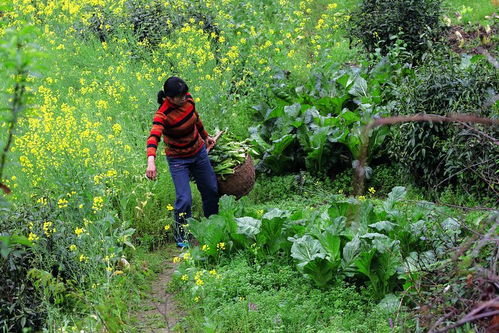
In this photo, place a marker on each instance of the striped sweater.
(181, 127)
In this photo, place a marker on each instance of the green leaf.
(383, 226)
(388, 263)
(397, 194)
(351, 251)
(282, 143)
(338, 134)
(293, 111)
(15, 239)
(312, 260)
(339, 208)
(344, 80)
(259, 142)
(210, 231)
(331, 243)
(363, 263)
(384, 244)
(378, 137)
(271, 232)
(332, 105)
(306, 249)
(349, 116)
(390, 303)
(337, 226)
(451, 226)
(275, 213)
(275, 113)
(127, 243)
(373, 235)
(359, 87)
(320, 270)
(248, 226)
(227, 205)
(353, 143)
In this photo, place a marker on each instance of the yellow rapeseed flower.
(72, 247)
(47, 228)
(176, 260)
(117, 128)
(98, 204)
(62, 203)
(32, 237)
(167, 227)
(79, 231)
(169, 207)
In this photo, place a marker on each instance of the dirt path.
(159, 312)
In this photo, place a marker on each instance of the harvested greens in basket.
(228, 154)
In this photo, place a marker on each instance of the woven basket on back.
(240, 182)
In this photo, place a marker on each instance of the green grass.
(272, 297)
(479, 9)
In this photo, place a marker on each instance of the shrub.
(376, 22)
(441, 154)
(149, 21)
(20, 305)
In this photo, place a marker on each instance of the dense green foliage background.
(79, 83)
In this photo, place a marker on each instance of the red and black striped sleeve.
(201, 130)
(155, 135)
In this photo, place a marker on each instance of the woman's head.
(174, 90)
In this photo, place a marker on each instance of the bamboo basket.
(240, 182)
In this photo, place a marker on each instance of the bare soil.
(159, 312)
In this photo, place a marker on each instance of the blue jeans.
(199, 166)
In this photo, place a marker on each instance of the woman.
(186, 152)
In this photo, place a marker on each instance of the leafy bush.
(387, 176)
(150, 21)
(378, 23)
(441, 154)
(65, 260)
(317, 126)
(465, 275)
(352, 239)
(237, 228)
(20, 304)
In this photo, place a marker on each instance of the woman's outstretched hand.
(210, 143)
(151, 168)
